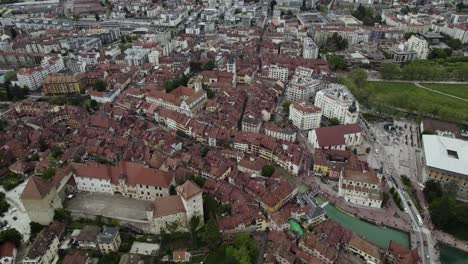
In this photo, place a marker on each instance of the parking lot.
(113, 206)
(16, 217)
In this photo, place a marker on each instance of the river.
(379, 235)
(451, 255)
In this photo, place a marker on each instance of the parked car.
(425, 243)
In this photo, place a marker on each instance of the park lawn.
(460, 90)
(410, 97)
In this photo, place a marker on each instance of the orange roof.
(36, 188)
(167, 205)
(188, 189)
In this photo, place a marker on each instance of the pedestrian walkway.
(439, 92)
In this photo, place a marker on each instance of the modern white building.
(310, 50)
(136, 56)
(447, 160)
(301, 88)
(278, 72)
(34, 77)
(420, 45)
(304, 115)
(360, 187)
(336, 137)
(337, 102)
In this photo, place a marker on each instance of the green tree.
(244, 249)
(48, 173)
(11, 235)
(210, 234)
(268, 170)
(442, 212)
(432, 191)
(209, 65)
(93, 104)
(389, 71)
(333, 121)
(172, 190)
(451, 189)
(337, 62)
(56, 152)
(62, 215)
(199, 180)
(286, 105)
(99, 85)
(204, 151)
(10, 75)
(359, 77)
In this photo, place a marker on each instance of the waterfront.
(451, 255)
(379, 235)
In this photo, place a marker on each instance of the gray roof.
(107, 235)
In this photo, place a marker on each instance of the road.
(420, 232)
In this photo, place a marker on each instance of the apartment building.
(44, 249)
(278, 72)
(337, 102)
(304, 115)
(361, 187)
(59, 83)
(109, 240)
(310, 50)
(420, 45)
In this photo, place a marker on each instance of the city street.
(409, 166)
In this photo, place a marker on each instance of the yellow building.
(59, 83)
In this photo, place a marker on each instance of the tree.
(56, 152)
(204, 151)
(11, 235)
(442, 211)
(35, 228)
(389, 71)
(10, 75)
(451, 189)
(62, 215)
(432, 191)
(96, 16)
(244, 249)
(199, 180)
(408, 35)
(268, 170)
(99, 85)
(337, 62)
(210, 234)
(172, 190)
(209, 65)
(93, 104)
(333, 121)
(359, 77)
(286, 105)
(48, 173)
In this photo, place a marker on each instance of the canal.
(451, 255)
(380, 236)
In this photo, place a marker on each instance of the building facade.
(304, 115)
(337, 102)
(57, 83)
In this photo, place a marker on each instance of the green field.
(460, 90)
(415, 99)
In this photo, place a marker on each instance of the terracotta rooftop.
(167, 205)
(188, 189)
(334, 135)
(36, 188)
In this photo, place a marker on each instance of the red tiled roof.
(7, 248)
(167, 205)
(334, 135)
(188, 189)
(36, 188)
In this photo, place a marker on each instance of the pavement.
(113, 206)
(404, 161)
(22, 219)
